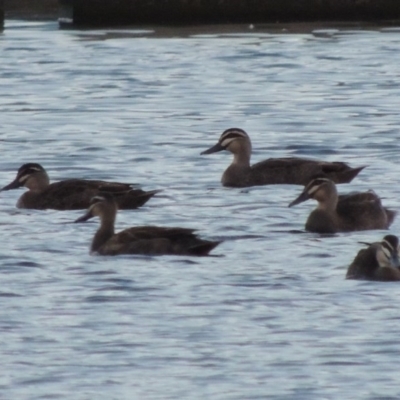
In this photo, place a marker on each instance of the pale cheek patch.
(313, 190)
(226, 142)
(231, 135)
(23, 178)
(387, 252)
(383, 257)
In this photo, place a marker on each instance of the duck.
(70, 194)
(289, 170)
(355, 211)
(146, 240)
(378, 262)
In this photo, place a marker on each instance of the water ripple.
(270, 315)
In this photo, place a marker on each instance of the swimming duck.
(378, 262)
(290, 170)
(70, 194)
(151, 240)
(345, 213)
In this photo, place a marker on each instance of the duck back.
(75, 194)
(154, 240)
(363, 211)
(299, 171)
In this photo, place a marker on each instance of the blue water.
(271, 315)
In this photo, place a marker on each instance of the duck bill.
(303, 197)
(15, 184)
(213, 149)
(85, 217)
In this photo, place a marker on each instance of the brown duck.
(345, 213)
(291, 170)
(151, 240)
(70, 194)
(378, 262)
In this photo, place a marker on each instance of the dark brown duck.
(290, 170)
(378, 262)
(151, 240)
(70, 194)
(345, 213)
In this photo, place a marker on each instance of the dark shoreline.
(50, 10)
(24, 9)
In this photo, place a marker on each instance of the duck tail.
(391, 215)
(349, 175)
(203, 249)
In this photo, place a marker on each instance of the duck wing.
(363, 211)
(154, 240)
(300, 171)
(155, 232)
(75, 194)
(365, 266)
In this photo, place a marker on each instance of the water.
(270, 315)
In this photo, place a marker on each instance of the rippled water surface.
(270, 315)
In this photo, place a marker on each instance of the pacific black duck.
(290, 170)
(151, 240)
(71, 194)
(351, 212)
(378, 262)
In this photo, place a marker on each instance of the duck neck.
(242, 154)
(38, 182)
(328, 206)
(329, 201)
(104, 233)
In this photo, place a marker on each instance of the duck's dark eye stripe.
(233, 134)
(98, 198)
(392, 240)
(32, 170)
(386, 245)
(320, 181)
(314, 185)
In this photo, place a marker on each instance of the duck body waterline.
(71, 194)
(289, 170)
